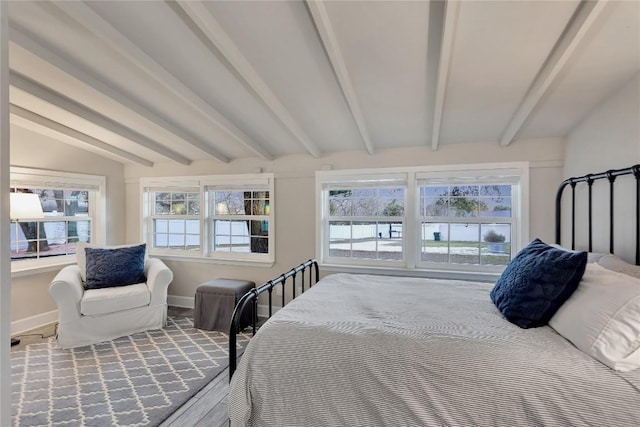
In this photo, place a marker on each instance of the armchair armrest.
(66, 289)
(159, 276)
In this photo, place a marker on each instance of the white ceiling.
(154, 81)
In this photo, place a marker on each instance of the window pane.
(367, 202)
(496, 207)
(391, 207)
(241, 236)
(160, 226)
(366, 240)
(178, 207)
(76, 203)
(340, 239)
(464, 248)
(339, 206)
(176, 226)
(177, 241)
(193, 207)
(390, 244)
(162, 207)
(193, 226)
(435, 242)
(160, 240)
(464, 244)
(235, 203)
(463, 206)
(495, 190)
(496, 244)
(450, 243)
(176, 234)
(84, 231)
(434, 201)
(222, 227)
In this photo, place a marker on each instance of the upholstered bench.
(215, 301)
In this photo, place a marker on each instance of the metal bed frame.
(251, 297)
(611, 175)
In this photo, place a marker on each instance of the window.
(240, 221)
(176, 220)
(69, 208)
(227, 217)
(366, 223)
(467, 217)
(466, 224)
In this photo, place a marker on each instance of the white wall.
(609, 138)
(294, 201)
(30, 293)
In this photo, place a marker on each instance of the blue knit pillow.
(537, 281)
(107, 268)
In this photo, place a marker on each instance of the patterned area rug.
(137, 380)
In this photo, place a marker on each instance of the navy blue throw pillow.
(537, 281)
(107, 268)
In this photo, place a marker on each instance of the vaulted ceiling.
(155, 81)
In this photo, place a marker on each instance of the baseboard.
(33, 322)
(182, 302)
(37, 321)
(263, 310)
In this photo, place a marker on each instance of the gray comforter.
(359, 350)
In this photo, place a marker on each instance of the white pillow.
(613, 263)
(602, 317)
(81, 255)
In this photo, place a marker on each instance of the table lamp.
(24, 206)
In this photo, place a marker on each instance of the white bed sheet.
(362, 350)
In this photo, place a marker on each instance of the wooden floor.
(208, 408)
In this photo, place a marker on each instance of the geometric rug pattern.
(137, 380)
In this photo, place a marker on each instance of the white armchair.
(88, 316)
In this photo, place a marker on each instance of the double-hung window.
(175, 219)
(464, 217)
(61, 209)
(468, 218)
(364, 219)
(225, 217)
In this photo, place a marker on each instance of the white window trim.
(204, 184)
(97, 203)
(411, 247)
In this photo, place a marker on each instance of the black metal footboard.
(251, 297)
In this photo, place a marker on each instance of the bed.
(364, 350)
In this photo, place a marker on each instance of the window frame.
(48, 179)
(413, 264)
(205, 185)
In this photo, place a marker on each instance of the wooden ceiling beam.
(40, 124)
(328, 37)
(27, 85)
(574, 33)
(445, 14)
(107, 33)
(47, 54)
(199, 19)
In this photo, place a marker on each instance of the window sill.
(475, 276)
(207, 260)
(28, 268)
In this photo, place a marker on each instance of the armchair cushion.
(111, 300)
(115, 267)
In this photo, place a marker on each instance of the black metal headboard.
(611, 175)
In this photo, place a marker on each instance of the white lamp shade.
(25, 206)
